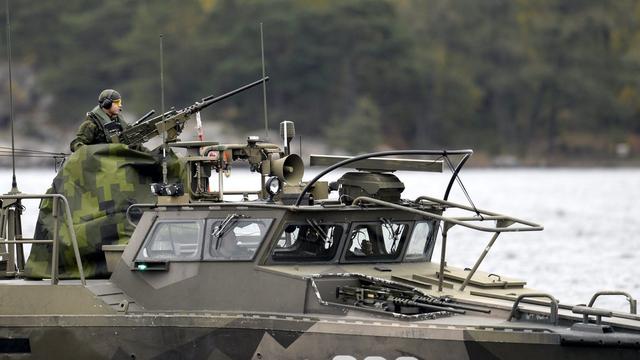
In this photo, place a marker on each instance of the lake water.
(591, 239)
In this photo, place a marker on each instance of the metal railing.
(10, 220)
(503, 224)
(633, 303)
(588, 310)
(553, 306)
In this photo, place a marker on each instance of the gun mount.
(267, 159)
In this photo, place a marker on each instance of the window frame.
(375, 259)
(427, 251)
(207, 242)
(309, 260)
(152, 231)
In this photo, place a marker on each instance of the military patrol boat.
(294, 269)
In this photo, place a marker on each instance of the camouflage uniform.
(92, 130)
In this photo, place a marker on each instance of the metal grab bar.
(553, 315)
(504, 220)
(633, 304)
(585, 311)
(490, 215)
(55, 241)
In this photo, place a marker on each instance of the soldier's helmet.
(107, 97)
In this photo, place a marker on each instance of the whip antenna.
(264, 87)
(164, 128)
(14, 183)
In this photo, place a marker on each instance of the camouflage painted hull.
(264, 280)
(237, 336)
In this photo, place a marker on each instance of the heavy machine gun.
(172, 121)
(399, 301)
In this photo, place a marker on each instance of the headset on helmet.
(106, 98)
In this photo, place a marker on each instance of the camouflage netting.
(100, 182)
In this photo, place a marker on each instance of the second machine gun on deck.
(172, 121)
(399, 301)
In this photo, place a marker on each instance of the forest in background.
(543, 79)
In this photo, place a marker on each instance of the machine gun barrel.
(371, 295)
(426, 299)
(172, 121)
(407, 302)
(211, 99)
(437, 302)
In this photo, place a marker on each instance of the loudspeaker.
(289, 169)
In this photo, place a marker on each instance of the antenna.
(13, 221)
(264, 87)
(14, 183)
(164, 129)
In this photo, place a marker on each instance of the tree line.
(531, 78)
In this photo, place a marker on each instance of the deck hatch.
(483, 279)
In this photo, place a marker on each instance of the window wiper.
(225, 225)
(315, 226)
(394, 233)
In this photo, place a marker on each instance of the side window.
(235, 238)
(307, 242)
(173, 240)
(376, 241)
(418, 242)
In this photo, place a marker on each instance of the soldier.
(102, 122)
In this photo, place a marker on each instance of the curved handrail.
(490, 214)
(529, 226)
(633, 304)
(69, 222)
(553, 316)
(342, 163)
